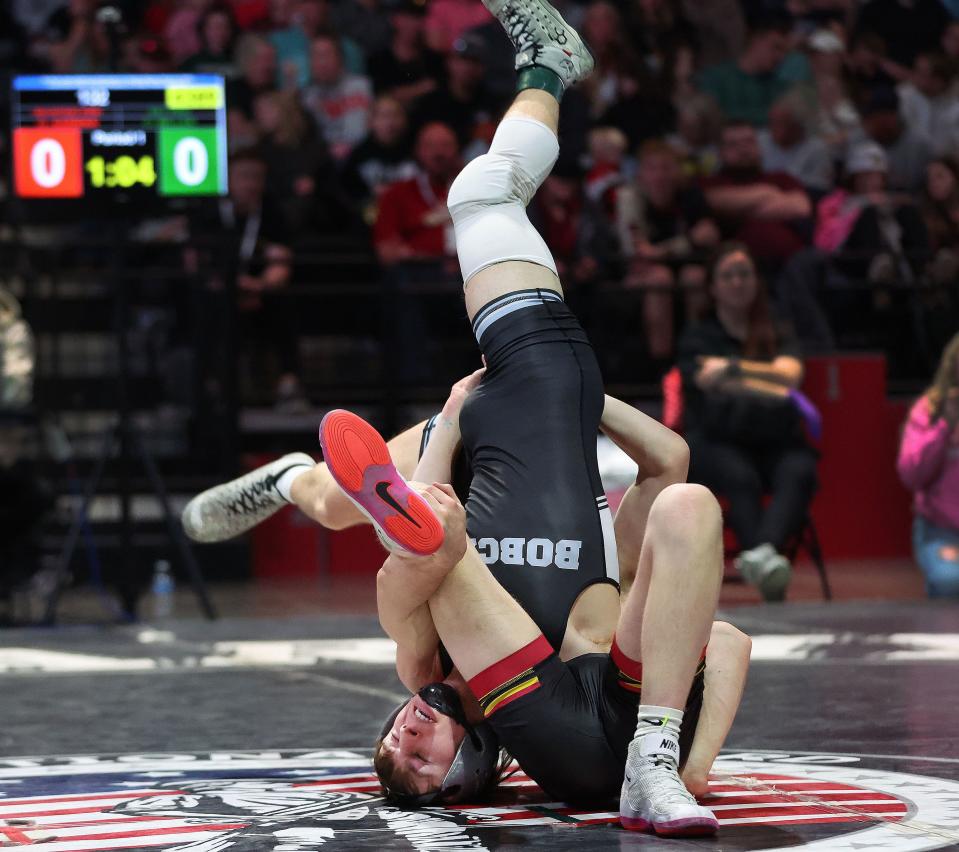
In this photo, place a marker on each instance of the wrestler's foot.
(541, 37)
(359, 461)
(228, 510)
(654, 798)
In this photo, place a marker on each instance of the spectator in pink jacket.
(929, 467)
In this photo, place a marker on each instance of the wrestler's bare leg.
(665, 623)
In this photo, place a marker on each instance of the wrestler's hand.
(458, 394)
(443, 501)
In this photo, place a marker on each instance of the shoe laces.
(253, 496)
(659, 779)
(672, 785)
(517, 25)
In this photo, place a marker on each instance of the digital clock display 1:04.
(123, 171)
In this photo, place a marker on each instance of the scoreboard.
(130, 137)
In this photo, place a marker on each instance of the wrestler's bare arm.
(404, 586)
(436, 465)
(663, 459)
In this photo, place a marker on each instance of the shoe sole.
(359, 461)
(694, 827)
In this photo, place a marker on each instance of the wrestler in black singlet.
(537, 513)
(535, 509)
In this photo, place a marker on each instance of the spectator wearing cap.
(462, 100)
(787, 146)
(767, 211)
(929, 102)
(907, 150)
(406, 68)
(745, 88)
(835, 118)
(216, 33)
(384, 157)
(412, 221)
(873, 234)
(295, 25)
(339, 101)
(907, 27)
(448, 20)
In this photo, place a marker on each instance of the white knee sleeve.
(488, 198)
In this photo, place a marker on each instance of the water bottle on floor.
(161, 590)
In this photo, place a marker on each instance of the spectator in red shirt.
(412, 221)
(765, 210)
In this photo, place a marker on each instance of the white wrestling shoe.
(541, 37)
(654, 797)
(225, 511)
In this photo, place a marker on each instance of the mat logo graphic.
(302, 801)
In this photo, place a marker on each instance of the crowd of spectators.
(821, 134)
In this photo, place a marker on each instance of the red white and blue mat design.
(297, 801)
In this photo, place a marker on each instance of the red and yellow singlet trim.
(511, 678)
(630, 672)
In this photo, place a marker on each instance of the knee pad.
(488, 181)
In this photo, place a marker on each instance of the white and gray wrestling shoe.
(228, 510)
(654, 797)
(541, 37)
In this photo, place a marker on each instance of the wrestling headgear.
(474, 766)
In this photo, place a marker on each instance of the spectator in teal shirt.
(292, 38)
(746, 87)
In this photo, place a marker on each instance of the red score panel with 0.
(48, 162)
